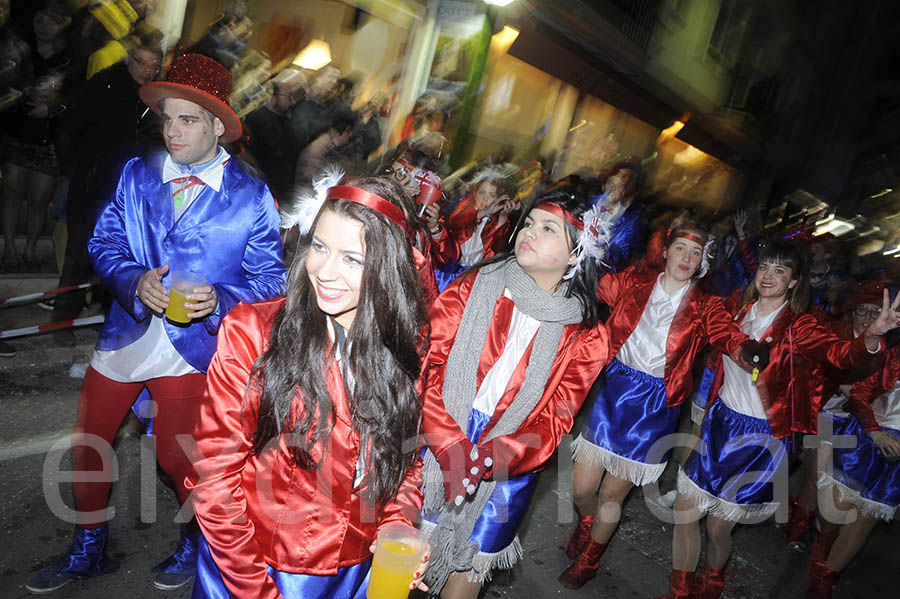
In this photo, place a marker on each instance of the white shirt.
(472, 249)
(645, 348)
(738, 390)
(152, 355)
(887, 408)
(522, 329)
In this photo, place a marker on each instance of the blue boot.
(179, 569)
(86, 558)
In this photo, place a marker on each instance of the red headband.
(560, 212)
(370, 200)
(689, 236)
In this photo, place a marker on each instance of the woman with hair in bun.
(305, 438)
(658, 324)
(515, 346)
(745, 436)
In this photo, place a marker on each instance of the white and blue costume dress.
(862, 475)
(631, 412)
(730, 474)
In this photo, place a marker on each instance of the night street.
(39, 400)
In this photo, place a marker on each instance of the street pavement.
(38, 399)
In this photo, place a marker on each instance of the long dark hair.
(583, 285)
(382, 360)
(793, 255)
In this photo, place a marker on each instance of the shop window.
(727, 36)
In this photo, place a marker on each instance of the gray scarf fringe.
(451, 550)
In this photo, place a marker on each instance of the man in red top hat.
(191, 210)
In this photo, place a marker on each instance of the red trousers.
(102, 406)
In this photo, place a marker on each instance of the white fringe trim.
(708, 503)
(594, 456)
(867, 507)
(484, 563)
(697, 413)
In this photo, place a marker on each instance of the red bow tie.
(185, 183)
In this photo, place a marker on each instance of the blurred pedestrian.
(271, 142)
(107, 125)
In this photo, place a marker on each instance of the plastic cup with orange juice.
(399, 550)
(183, 283)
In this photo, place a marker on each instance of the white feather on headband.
(490, 173)
(706, 257)
(594, 239)
(306, 208)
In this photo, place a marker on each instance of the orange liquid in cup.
(392, 571)
(176, 312)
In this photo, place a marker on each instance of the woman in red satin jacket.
(479, 226)
(306, 438)
(864, 480)
(745, 437)
(515, 347)
(660, 321)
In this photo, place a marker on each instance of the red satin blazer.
(700, 319)
(460, 227)
(791, 392)
(872, 387)
(264, 509)
(580, 356)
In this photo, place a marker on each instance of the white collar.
(659, 294)
(211, 175)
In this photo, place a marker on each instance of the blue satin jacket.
(231, 237)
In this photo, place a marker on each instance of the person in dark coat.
(270, 142)
(104, 129)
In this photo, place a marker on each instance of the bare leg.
(13, 190)
(850, 540)
(459, 587)
(686, 536)
(40, 192)
(585, 485)
(718, 536)
(613, 492)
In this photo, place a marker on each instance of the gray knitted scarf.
(451, 549)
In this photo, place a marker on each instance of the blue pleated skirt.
(350, 582)
(732, 472)
(862, 474)
(629, 416)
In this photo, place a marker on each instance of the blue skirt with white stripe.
(628, 418)
(862, 474)
(733, 471)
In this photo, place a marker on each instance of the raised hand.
(888, 320)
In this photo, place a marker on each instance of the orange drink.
(183, 283)
(398, 553)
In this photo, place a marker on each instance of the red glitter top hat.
(201, 80)
(866, 292)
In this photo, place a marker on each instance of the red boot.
(681, 585)
(821, 545)
(821, 581)
(580, 536)
(709, 584)
(797, 528)
(585, 567)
